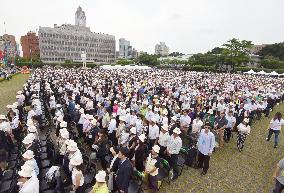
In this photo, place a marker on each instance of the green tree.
(236, 52)
(272, 62)
(150, 60)
(275, 50)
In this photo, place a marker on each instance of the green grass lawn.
(231, 171)
(8, 90)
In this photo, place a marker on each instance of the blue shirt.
(206, 142)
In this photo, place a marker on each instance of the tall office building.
(125, 49)
(30, 45)
(67, 42)
(162, 49)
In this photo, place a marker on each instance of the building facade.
(162, 49)
(8, 46)
(67, 42)
(125, 49)
(30, 45)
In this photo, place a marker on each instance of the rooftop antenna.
(5, 27)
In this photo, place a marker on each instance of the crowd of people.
(131, 120)
(5, 72)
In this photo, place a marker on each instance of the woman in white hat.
(140, 155)
(243, 131)
(28, 183)
(132, 142)
(100, 186)
(64, 135)
(152, 168)
(77, 175)
(28, 157)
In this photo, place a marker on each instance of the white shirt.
(276, 124)
(30, 186)
(112, 126)
(221, 107)
(231, 120)
(74, 173)
(164, 138)
(243, 129)
(153, 132)
(174, 145)
(196, 125)
(206, 142)
(15, 123)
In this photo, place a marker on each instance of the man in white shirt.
(230, 126)
(185, 121)
(206, 144)
(173, 147)
(153, 133)
(163, 139)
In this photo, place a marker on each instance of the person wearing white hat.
(132, 142)
(243, 131)
(185, 121)
(173, 147)
(28, 157)
(28, 182)
(101, 185)
(173, 124)
(205, 144)
(64, 135)
(77, 175)
(52, 105)
(149, 114)
(152, 168)
(163, 139)
(153, 132)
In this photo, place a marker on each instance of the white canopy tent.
(273, 73)
(262, 73)
(250, 72)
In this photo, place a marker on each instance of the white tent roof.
(262, 73)
(250, 72)
(274, 73)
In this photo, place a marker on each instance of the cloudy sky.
(188, 26)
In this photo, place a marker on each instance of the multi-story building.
(8, 46)
(67, 42)
(30, 45)
(256, 48)
(125, 49)
(162, 49)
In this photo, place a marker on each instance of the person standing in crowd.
(152, 168)
(163, 140)
(77, 175)
(230, 126)
(124, 171)
(278, 177)
(28, 182)
(205, 145)
(173, 147)
(219, 126)
(100, 147)
(153, 133)
(101, 185)
(274, 127)
(113, 167)
(243, 131)
(139, 155)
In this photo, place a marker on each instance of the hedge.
(245, 69)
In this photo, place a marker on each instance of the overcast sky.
(188, 26)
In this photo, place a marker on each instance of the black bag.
(190, 158)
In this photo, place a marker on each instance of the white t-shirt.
(276, 124)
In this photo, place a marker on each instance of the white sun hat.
(2, 117)
(246, 120)
(60, 118)
(72, 146)
(177, 131)
(29, 138)
(29, 154)
(133, 130)
(156, 148)
(101, 176)
(165, 127)
(64, 133)
(63, 124)
(76, 161)
(142, 137)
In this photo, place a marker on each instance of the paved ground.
(231, 171)
(8, 90)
